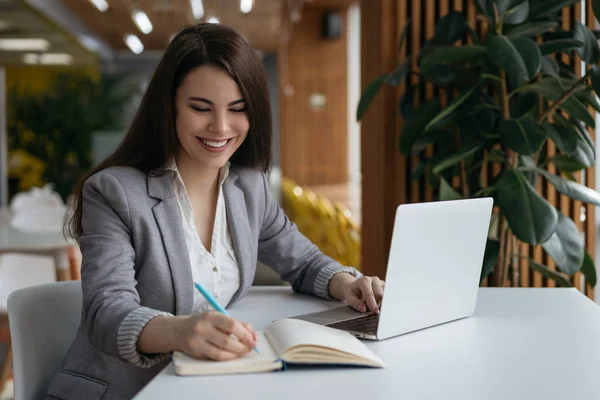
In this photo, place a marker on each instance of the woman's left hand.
(361, 294)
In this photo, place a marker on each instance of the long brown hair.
(151, 140)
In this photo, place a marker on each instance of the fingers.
(214, 352)
(356, 303)
(230, 326)
(365, 284)
(226, 342)
(378, 286)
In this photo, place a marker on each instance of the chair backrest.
(43, 323)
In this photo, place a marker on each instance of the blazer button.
(215, 268)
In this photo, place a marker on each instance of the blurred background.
(72, 73)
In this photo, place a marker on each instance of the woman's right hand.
(215, 336)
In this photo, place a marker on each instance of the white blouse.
(218, 269)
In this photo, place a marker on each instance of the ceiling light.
(101, 5)
(213, 20)
(31, 58)
(246, 6)
(134, 44)
(197, 8)
(24, 44)
(56, 58)
(142, 21)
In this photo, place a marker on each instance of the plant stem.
(463, 170)
(562, 99)
(499, 269)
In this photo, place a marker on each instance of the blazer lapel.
(168, 218)
(239, 227)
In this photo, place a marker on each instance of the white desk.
(48, 243)
(521, 344)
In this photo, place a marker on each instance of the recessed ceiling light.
(134, 44)
(56, 58)
(197, 8)
(31, 58)
(101, 5)
(24, 44)
(213, 20)
(142, 21)
(246, 6)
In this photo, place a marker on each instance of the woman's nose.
(220, 124)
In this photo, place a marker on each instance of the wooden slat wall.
(386, 173)
(314, 142)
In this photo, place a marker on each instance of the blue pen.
(214, 303)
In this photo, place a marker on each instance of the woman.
(185, 199)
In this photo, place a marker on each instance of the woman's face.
(211, 117)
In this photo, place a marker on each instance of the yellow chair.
(329, 226)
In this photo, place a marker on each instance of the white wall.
(353, 31)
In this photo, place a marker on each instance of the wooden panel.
(314, 141)
(383, 25)
(379, 126)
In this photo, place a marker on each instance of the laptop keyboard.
(366, 324)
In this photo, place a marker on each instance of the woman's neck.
(197, 178)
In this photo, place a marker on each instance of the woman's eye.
(239, 109)
(199, 109)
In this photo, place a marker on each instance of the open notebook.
(287, 342)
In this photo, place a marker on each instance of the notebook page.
(193, 365)
(287, 333)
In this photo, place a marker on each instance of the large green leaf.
(455, 159)
(550, 274)
(559, 45)
(590, 51)
(531, 218)
(520, 57)
(518, 14)
(588, 269)
(595, 75)
(566, 163)
(397, 76)
(551, 89)
(577, 110)
(368, 95)
(492, 248)
(447, 192)
(452, 55)
(585, 151)
(530, 29)
(565, 246)
(451, 108)
(572, 189)
(550, 67)
(596, 9)
(415, 127)
(546, 7)
(522, 136)
(403, 35)
(449, 29)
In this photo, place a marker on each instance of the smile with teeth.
(215, 144)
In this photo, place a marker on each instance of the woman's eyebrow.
(207, 101)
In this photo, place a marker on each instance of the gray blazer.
(136, 266)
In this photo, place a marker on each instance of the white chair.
(18, 271)
(43, 323)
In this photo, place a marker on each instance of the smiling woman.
(185, 200)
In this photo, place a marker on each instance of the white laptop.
(433, 271)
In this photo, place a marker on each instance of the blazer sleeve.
(291, 254)
(113, 316)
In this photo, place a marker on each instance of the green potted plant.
(508, 96)
(56, 125)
